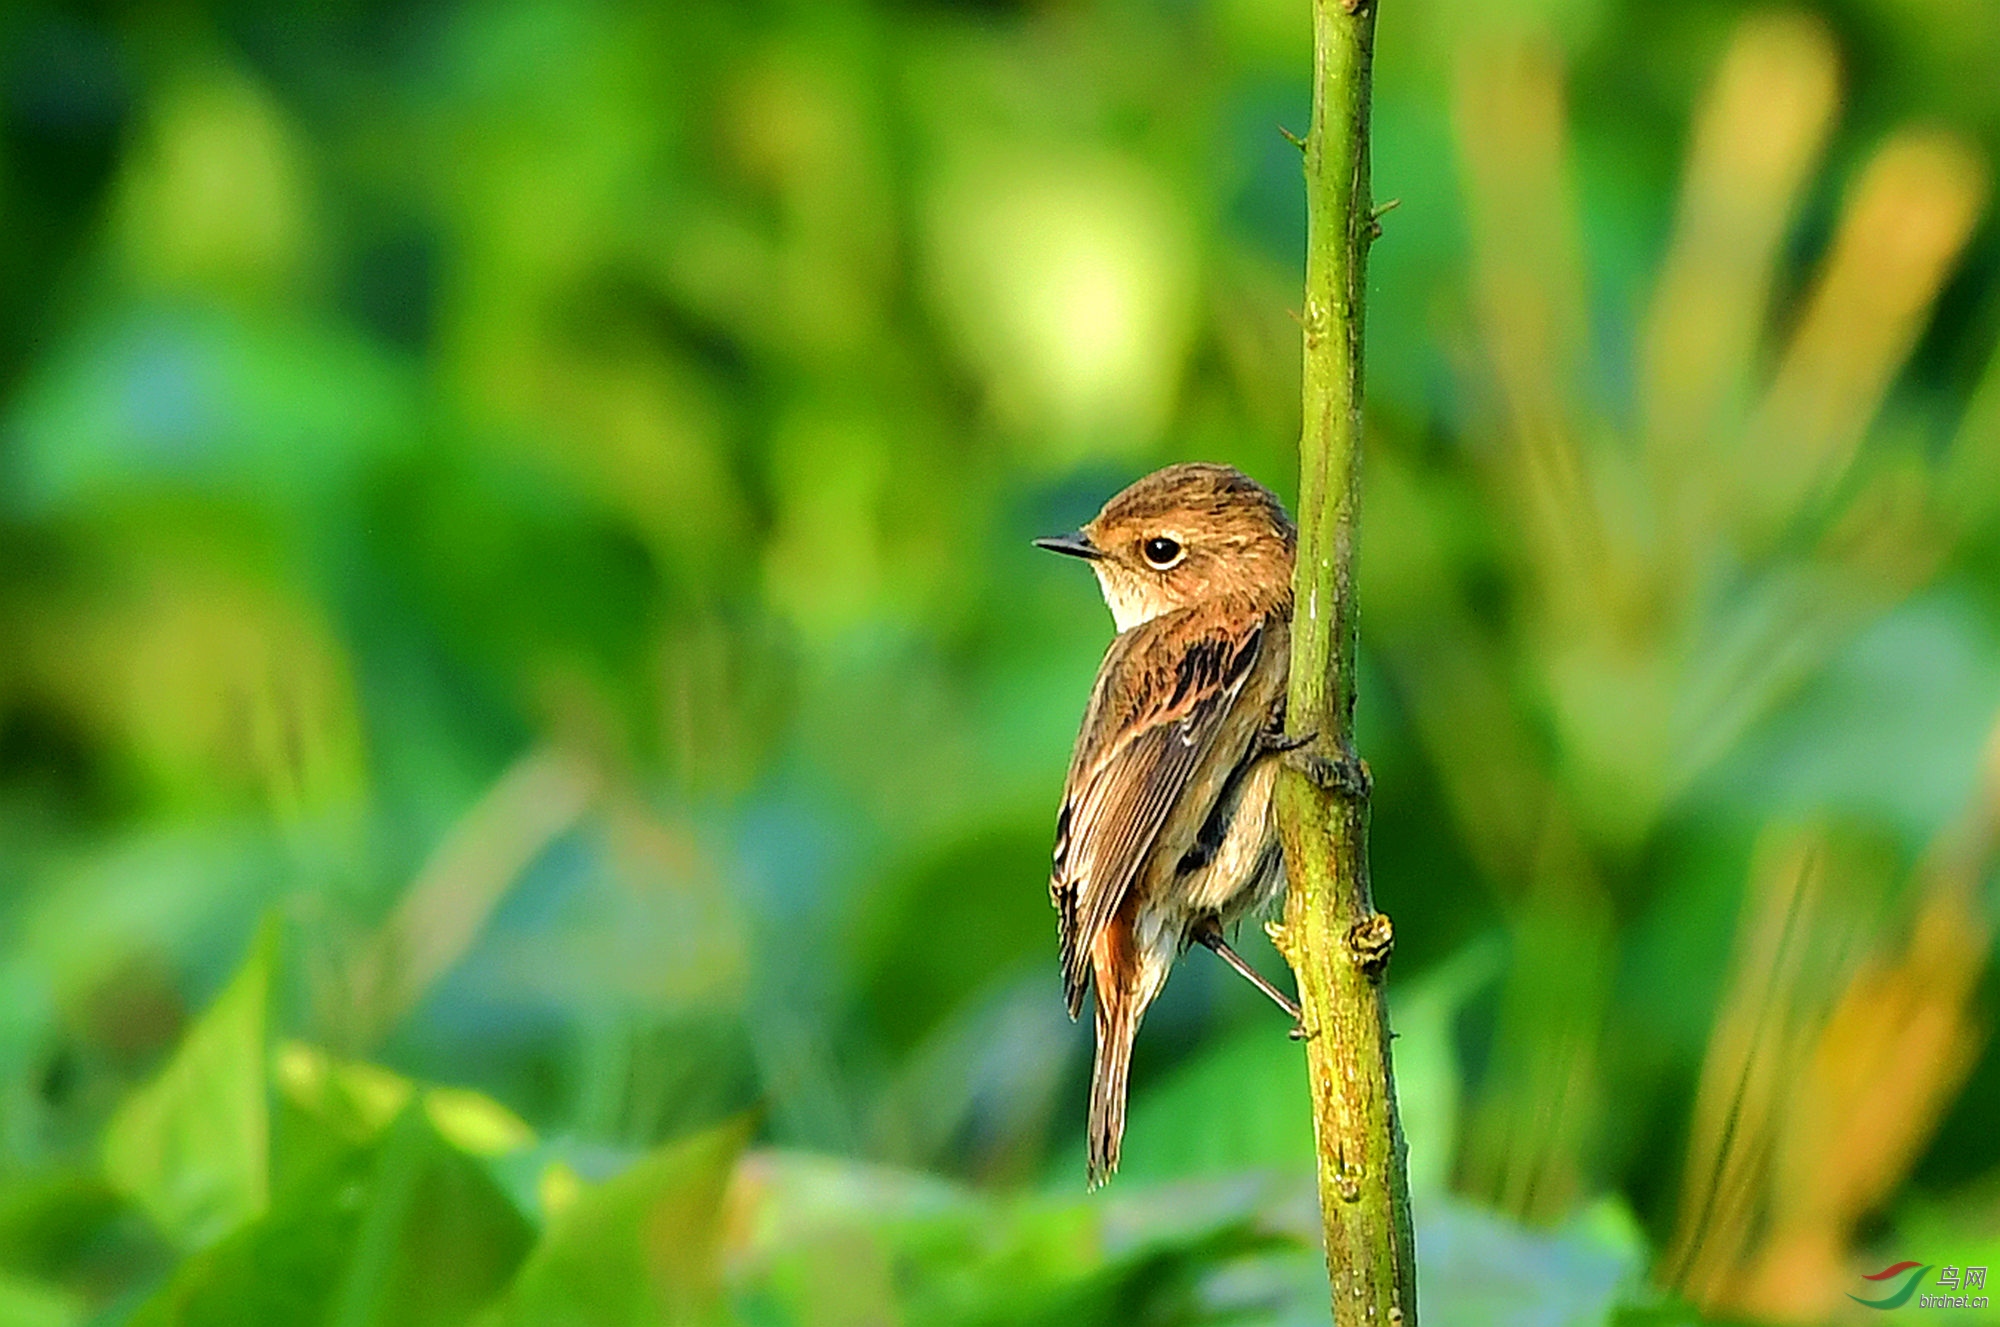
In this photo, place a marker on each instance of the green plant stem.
(1335, 941)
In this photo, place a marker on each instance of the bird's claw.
(1345, 774)
(1278, 742)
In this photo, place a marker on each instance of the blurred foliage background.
(529, 724)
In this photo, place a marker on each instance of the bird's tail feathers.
(1117, 1025)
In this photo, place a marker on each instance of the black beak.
(1076, 544)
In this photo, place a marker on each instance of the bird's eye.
(1161, 552)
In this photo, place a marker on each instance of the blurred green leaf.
(409, 1230)
(26, 1304)
(1654, 1315)
(906, 983)
(637, 1250)
(47, 1222)
(1480, 1268)
(280, 410)
(818, 1240)
(1241, 1104)
(283, 1267)
(439, 1238)
(1429, 1080)
(1066, 278)
(353, 1099)
(357, 1101)
(192, 1146)
(476, 1124)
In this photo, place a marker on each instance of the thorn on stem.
(1371, 230)
(1292, 138)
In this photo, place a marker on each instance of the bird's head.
(1183, 535)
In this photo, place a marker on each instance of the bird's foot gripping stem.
(1345, 775)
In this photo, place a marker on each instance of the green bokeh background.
(530, 725)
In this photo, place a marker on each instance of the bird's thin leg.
(1210, 935)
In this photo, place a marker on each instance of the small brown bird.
(1166, 835)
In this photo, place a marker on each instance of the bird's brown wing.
(1163, 697)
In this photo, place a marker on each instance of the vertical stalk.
(1336, 943)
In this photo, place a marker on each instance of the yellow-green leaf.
(26, 1303)
(191, 1148)
(637, 1249)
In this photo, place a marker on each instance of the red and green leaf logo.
(1902, 1296)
